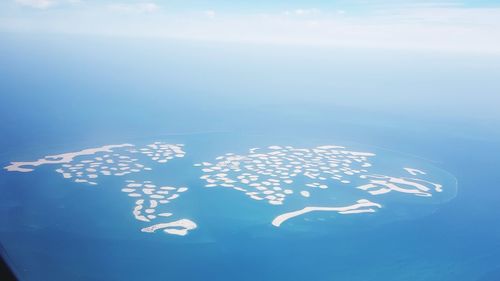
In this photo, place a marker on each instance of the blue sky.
(452, 26)
(252, 6)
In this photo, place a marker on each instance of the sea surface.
(435, 111)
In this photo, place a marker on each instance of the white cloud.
(302, 12)
(209, 13)
(432, 27)
(134, 7)
(37, 4)
(45, 4)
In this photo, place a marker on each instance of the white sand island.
(269, 175)
(272, 174)
(118, 160)
(414, 172)
(60, 158)
(179, 227)
(361, 206)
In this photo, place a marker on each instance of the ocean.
(433, 111)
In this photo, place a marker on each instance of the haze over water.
(61, 92)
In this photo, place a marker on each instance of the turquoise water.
(59, 96)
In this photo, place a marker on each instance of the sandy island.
(180, 227)
(60, 158)
(359, 207)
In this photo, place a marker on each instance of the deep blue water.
(63, 94)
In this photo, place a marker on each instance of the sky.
(448, 26)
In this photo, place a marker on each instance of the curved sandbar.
(352, 209)
(60, 158)
(180, 227)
